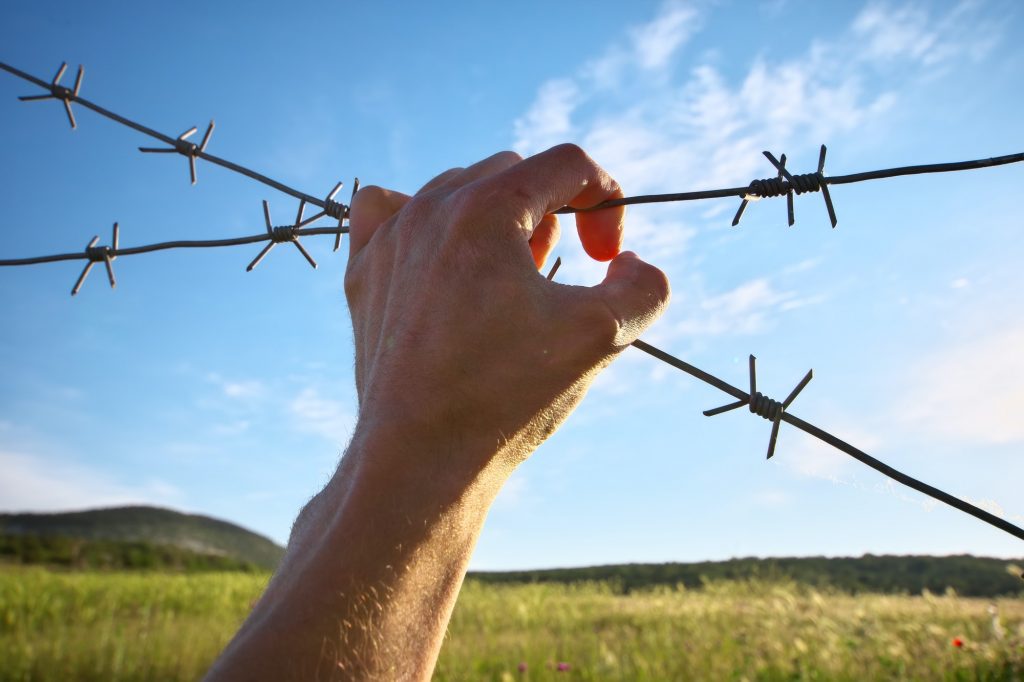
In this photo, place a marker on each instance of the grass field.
(120, 626)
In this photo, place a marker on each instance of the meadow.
(162, 626)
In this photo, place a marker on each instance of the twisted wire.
(765, 407)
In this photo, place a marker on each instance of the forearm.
(373, 567)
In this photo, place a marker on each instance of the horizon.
(534, 568)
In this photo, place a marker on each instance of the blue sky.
(201, 387)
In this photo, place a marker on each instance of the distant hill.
(150, 537)
(968, 575)
(193, 534)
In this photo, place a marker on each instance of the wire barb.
(554, 269)
(99, 254)
(183, 146)
(744, 398)
(762, 405)
(58, 91)
(346, 214)
(281, 234)
(785, 183)
(333, 209)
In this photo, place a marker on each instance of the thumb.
(636, 293)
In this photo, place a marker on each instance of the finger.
(563, 175)
(636, 294)
(493, 164)
(371, 207)
(601, 231)
(440, 180)
(544, 238)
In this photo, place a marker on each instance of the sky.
(200, 387)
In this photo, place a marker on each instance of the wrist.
(422, 465)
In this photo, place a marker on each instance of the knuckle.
(470, 202)
(571, 152)
(508, 156)
(421, 208)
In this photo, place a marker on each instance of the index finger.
(564, 176)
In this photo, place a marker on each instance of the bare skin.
(466, 360)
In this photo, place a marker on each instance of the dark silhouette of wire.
(745, 398)
(176, 244)
(829, 180)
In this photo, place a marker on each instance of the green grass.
(152, 626)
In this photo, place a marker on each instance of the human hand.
(460, 342)
(466, 359)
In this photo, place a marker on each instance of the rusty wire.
(784, 184)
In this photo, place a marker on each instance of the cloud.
(245, 389)
(745, 309)
(325, 417)
(808, 456)
(515, 493)
(655, 43)
(649, 49)
(972, 392)
(232, 428)
(889, 32)
(656, 130)
(658, 126)
(771, 499)
(34, 483)
(548, 120)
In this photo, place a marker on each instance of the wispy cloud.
(35, 483)
(666, 128)
(656, 42)
(808, 456)
(238, 389)
(322, 416)
(972, 392)
(745, 309)
(909, 31)
(548, 120)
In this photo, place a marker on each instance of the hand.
(466, 359)
(460, 342)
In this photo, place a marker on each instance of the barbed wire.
(787, 185)
(784, 184)
(775, 412)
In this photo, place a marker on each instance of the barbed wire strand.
(784, 184)
(742, 192)
(775, 412)
(179, 144)
(751, 399)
